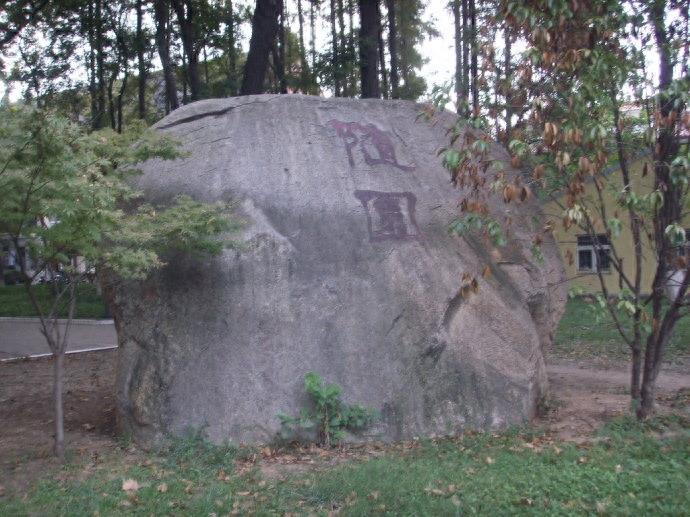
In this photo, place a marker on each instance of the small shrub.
(329, 417)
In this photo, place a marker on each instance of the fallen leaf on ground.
(130, 485)
(526, 501)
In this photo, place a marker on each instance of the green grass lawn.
(629, 472)
(15, 302)
(579, 334)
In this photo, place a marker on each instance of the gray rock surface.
(347, 270)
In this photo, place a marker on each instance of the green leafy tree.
(70, 208)
(583, 62)
(411, 30)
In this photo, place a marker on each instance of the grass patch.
(630, 472)
(580, 335)
(15, 302)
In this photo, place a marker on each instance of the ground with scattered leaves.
(583, 456)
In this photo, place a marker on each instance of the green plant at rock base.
(329, 417)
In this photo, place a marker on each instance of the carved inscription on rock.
(375, 146)
(390, 215)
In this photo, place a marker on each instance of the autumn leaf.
(538, 172)
(508, 193)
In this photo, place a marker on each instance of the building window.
(593, 256)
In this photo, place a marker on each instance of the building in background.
(586, 255)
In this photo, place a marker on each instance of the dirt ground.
(583, 395)
(27, 417)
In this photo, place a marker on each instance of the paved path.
(21, 337)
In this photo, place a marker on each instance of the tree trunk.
(206, 79)
(99, 121)
(393, 49)
(141, 80)
(635, 373)
(670, 212)
(312, 28)
(336, 52)
(281, 56)
(163, 44)
(193, 69)
(232, 51)
(474, 51)
(264, 30)
(302, 49)
(464, 101)
(508, 73)
(111, 99)
(368, 47)
(352, 79)
(186, 17)
(120, 97)
(636, 344)
(344, 57)
(93, 89)
(382, 56)
(185, 77)
(58, 406)
(457, 24)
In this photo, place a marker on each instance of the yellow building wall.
(567, 239)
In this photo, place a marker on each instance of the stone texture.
(347, 269)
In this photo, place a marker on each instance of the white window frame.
(592, 249)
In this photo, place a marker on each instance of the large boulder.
(346, 268)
